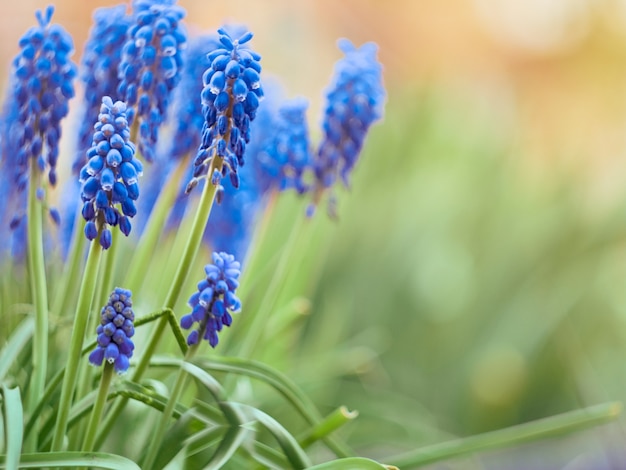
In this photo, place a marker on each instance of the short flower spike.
(115, 331)
(214, 301)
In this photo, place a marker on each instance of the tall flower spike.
(109, 178)
(150, 67)
(230, 98)
(355, 100)
(115, 331)
(215, 300)
(42, 85)
(99, 68)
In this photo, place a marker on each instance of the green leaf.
(11, 350)
(283, 385)
(289, 444)
(230, 443)
(13, 424)
(176, 436)
(553, 426)
(333, 421)
(74, 459)
(352, 463)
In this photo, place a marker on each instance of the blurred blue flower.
(41, 86)
(232, 221)
(214, 301)
(151, 66)
(110, 176)
(355, 99)
(99, 69)
(286, 151)
(114, 332)
(230, 99)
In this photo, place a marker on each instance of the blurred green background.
(474, 279)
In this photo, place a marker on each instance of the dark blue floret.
(109, 178)
(355, 100)
(99, 68)
(114, 332)
(42, 84)
(230, 99)
(151, 66)
(214, 301)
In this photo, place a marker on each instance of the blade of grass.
(74, 459)
(548, 427)
(13, 415)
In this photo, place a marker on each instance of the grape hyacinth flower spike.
(114, 332)
(99, 68)
(355, 100)
(214, 301)
(230, 99)
(42, 86)
(151, 66)
(109, 178)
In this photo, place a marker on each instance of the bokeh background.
(475, 277)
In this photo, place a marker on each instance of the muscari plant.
(182, 122)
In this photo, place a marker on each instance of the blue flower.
(150, 67)
(99, 69)
(355, 99)
(214, 301)
(232, 221)
(287, 153)
(109, 179)
(114, 332)
(230, 99)
(42, 84)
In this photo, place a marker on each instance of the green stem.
(152, 232)
(85, 298)
(98, 407)
(191, 250)
(64, 295)
(332, 422)
(107, 268)
(547, 427)
(155, 442)
(39, 293)
(254, 331)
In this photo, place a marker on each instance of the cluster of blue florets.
(355, 100)
(99, 68)
(230, 98)
(109, 178)
(150, 67)
(288, 155)
(214, 301)
(43, 84)
(115, 331)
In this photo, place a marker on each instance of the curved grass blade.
(19, 338)
(332, 422)
(123, 388)
(230, 442)
(176, 437)
(352, 463)
(294, 453)
(13, 416)
(283, 385)
(547, 427)
(74, 459)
